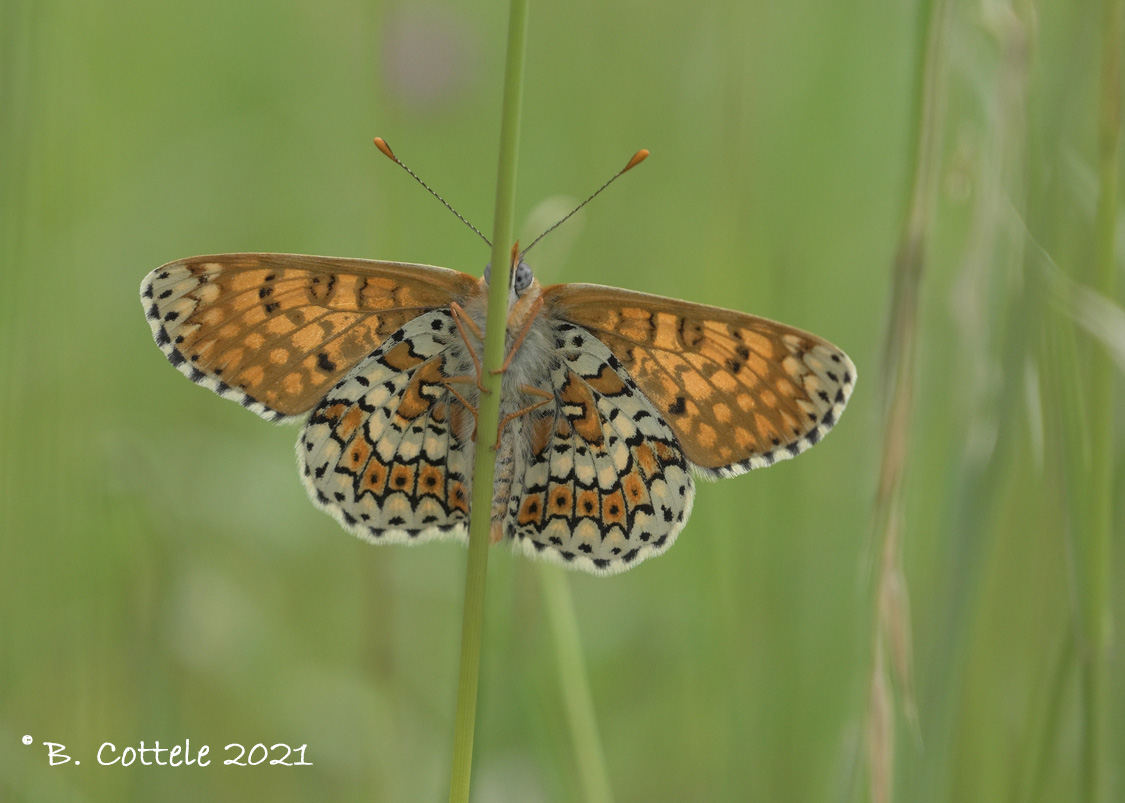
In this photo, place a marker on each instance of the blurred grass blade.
(1093, 546)
(1082, 435)
(892, 611)
(1103, 320)
(574, 681)
(488, 410)
(1101, 317)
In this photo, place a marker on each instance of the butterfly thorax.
(529, 356)
(527, 342)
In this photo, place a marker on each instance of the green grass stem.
(575, 685)
(488, 410)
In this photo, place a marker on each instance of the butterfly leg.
(462, 319)
(447, 382)
(530, 391)
(532, 314)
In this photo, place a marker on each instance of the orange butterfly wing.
(276, 331)
(739, 391)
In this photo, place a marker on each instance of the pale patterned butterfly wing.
(605, 484)
(388, 452)
(738, 391)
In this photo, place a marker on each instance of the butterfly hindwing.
(605, 484)
(388, 450)
(276, 331)
(739, 391)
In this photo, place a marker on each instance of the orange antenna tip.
(638, 157)
(382, 145)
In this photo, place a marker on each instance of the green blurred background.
(163, 576)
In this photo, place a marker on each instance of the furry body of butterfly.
(609, 398)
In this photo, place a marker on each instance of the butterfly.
(610, 401)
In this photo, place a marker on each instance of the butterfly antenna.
(638, 157)
(382, 145)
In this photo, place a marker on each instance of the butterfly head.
(520, 281)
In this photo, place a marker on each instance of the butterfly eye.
(520, 281)
(523, 277)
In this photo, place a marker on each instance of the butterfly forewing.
(739, 391)
(276, 331)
